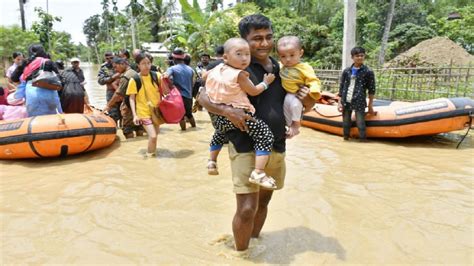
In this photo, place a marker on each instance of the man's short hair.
(255, 21)
(187, 59)
(125, 52)
(205, 54)
(119, 60)
(357, 50)
(108, 54)
(16, 54)
(219, 50)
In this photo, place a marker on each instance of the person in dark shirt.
(356, 81)
(252, 200)
(202, 64)
(219, 53)
(109, 78)
(73, 95)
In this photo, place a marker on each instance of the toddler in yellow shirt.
(295, 74)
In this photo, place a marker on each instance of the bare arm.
(236, 115)
(117, 97)
(371, 105)
(136, 120)
(371, 89)
(251, 89)
(305, 98)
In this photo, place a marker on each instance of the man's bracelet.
(264, 84)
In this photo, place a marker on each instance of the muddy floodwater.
(383, 202)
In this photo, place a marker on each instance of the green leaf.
(194, 13)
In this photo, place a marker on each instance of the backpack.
(138, 82)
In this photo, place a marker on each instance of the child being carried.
(229, 83)
(295, 74)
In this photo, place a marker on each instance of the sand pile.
(438, 51)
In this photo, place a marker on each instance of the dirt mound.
(438, 51)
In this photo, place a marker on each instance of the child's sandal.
(212, 168)
(263, 180)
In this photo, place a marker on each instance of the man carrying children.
(252, 200)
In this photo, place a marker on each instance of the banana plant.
(196, 24)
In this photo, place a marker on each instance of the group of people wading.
(254, 101)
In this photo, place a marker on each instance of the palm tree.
(135, 9)
(157, 11)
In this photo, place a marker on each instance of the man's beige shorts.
(242, 164)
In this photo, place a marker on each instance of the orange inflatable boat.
(55, 135)
(398, 119)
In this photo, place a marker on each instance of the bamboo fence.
(412, 84)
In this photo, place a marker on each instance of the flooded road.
(382, 202)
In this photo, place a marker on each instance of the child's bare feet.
(293, 130)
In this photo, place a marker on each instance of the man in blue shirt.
(182, 76)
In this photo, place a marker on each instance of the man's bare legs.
(242, 225)
(249, 217)
(264, 197)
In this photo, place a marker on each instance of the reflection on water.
(95, 91)
(387, 201)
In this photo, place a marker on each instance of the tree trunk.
(22, 13)
(386, 31)
(349, 39)
(132, 24)
(97, 53)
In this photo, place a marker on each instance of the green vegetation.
(58, 44)
(318, 22)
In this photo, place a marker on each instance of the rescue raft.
(55, 135)
(398, 119)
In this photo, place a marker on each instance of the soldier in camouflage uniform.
(108, 77)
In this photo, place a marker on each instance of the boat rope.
(316, 110)
(469, 128)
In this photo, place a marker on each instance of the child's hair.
(140, 57)
(255, 21)
(289, 40)
(357, 50)
(149, 56)
(233, 41)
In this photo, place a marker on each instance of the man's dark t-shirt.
(269, 108)
(214, 63)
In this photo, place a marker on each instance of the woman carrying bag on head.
(144, 99)
(39, 100)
